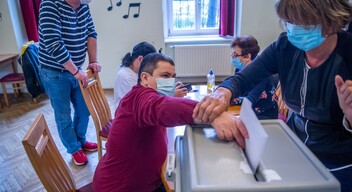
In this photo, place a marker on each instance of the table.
(9, 58)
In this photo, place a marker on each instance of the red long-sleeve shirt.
(137, 142)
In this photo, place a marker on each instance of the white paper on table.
(255, 144)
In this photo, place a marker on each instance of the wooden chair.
(98, 107)
(16, 80)
(283, 110)
(47, 160)
(169, 186)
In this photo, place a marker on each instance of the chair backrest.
(283, 110)
(96, 101)
(46, 158)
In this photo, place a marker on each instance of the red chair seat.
(16, 79)
(12, 77)
(105, 131)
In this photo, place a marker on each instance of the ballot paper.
(257, 136)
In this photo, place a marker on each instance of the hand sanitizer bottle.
(210, 81)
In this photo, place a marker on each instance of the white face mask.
(166, 86)
(85, 1)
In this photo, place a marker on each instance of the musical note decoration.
(133, 5)
(119, 3)
(110, 7)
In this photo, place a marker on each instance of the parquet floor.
(16, 172)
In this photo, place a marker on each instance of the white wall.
(117, 36)
(259, 19)
(12, 31)
(8, 42)
(19, 30)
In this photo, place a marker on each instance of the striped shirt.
(63, 33)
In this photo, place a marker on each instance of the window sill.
(198, 39)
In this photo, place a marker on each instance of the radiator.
(197, 60)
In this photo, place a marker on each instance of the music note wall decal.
(110, 7)
(119, 3)
(133, 5)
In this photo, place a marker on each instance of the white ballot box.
(206, 164)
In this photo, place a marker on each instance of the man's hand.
(180, 92)
(212, 105)
(229, 127)
(344, 93)
(82, 76)
(95, 66)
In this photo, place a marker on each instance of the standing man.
(66, 33)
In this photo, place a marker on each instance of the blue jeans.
(63, 89)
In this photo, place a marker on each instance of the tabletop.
(9, 58)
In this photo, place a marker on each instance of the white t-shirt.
(125, 79)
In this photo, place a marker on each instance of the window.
(193, 17)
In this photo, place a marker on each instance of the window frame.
(197, 31)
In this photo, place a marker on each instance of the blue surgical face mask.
(236, 62)
(304, 38)
(166, 86)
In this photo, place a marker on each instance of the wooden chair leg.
(18, 87)
(100, 153)
(15, 89)
(5, 94)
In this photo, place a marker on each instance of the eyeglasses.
(234, 55)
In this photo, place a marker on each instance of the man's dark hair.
(149, 63)
(248, 44)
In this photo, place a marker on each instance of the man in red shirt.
(137, 143)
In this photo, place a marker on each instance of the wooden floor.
(16, 172)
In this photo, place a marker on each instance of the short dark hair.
(150, 61)
(248, 44)
(142, 48)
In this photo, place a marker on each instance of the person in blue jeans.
(66, 34)
(263, 97)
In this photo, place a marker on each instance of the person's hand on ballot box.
(229, 127)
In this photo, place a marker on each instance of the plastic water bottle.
(211, 81)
